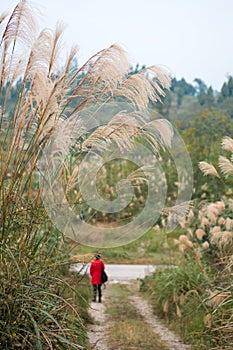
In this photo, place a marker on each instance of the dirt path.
(98, 332)
(172, 341)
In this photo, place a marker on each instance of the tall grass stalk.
(36, 96)
(197, 297)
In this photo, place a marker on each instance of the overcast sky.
(193, 38)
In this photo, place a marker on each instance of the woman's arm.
(91, 269)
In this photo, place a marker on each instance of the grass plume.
(37, 97)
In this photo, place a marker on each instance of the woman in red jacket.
(96, 268)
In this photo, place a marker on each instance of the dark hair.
(97, 256)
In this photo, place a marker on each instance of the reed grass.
(195, 298)
(40, 307)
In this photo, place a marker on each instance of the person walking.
(96, 268)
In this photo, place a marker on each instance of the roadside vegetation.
(196, 297)
(42, 305)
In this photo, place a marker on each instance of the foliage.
(152, 248)
(175, 294)
(202, 136)
(42, 307)
(185, 101)
(197, 294)
(34, 311)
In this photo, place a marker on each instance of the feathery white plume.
(227, 143)
(226, 166)
(208, 169)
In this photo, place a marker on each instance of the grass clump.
(176, 295)
(40, 306)
(37, 309)
(196, 298)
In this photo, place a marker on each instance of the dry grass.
(37, 97)
(133, 334)
(208, 169)
(196, 298)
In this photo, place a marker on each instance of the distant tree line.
(203, 96)
(181, 91)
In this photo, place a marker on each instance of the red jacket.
(96, 271)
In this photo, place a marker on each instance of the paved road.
(120, 272)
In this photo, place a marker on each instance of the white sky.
(193, 38)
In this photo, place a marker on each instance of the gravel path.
(98, 332)
(172, 341)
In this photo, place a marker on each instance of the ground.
(101, 332)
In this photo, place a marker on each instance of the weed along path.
(125, 321)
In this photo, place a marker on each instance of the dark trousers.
(97, 288)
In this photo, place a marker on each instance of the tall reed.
(197, 296)
(36, 96)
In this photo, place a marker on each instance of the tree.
(201, 86)
(210, 99)
(181, 88)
